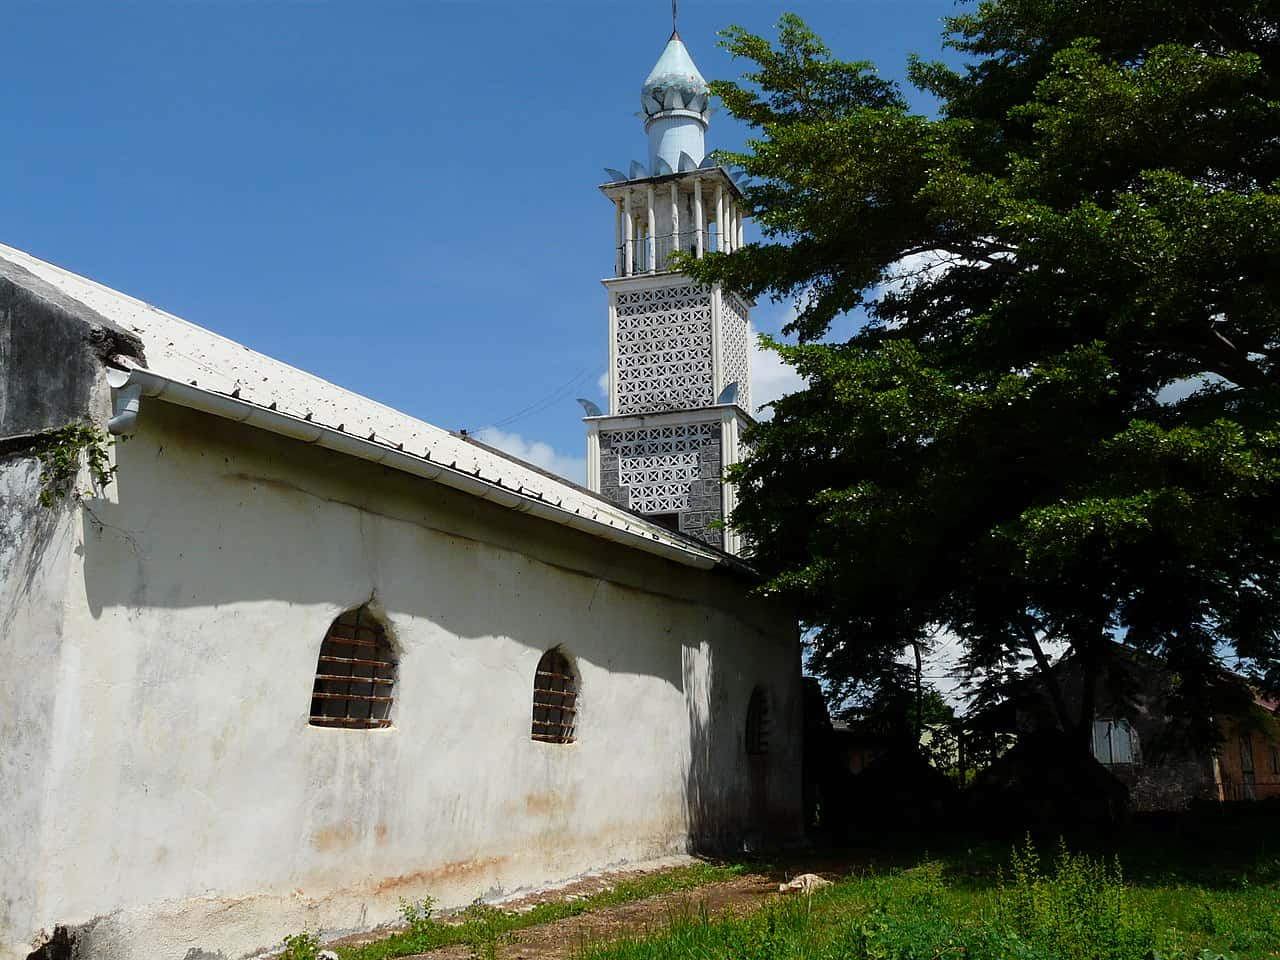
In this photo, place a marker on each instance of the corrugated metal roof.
(184, 352)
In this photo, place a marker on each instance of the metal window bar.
(555, 699)
(758, 723)
(355, 674)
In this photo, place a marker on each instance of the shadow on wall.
(703, 791)
(29, 530)
(264, 520)
(727, 790)
(328, 534)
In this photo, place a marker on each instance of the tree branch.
(1028, 627)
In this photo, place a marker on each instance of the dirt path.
(562, 939)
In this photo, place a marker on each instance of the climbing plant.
(61, 453)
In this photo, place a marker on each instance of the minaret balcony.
(661, 251)
(695, 211)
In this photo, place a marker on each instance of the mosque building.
(288, 657)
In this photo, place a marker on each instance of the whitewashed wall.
(171, 800)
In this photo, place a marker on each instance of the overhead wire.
(547, 400)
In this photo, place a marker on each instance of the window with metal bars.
(356, 674)
(758, 723)
(555, 699)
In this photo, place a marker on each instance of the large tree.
(1056, 418)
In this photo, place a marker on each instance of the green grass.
(1072, 907)
(482, 927)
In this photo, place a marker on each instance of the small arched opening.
(757, 732)
(355, 674)
(555, 699)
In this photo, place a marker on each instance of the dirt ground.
(561, 939)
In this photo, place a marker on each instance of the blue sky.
(399, 197)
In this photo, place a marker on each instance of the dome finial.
(675, 32)
(674, 106)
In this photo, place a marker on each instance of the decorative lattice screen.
(664, 349)
(658, 464)
(735, 348)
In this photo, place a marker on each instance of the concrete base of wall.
(229, 928)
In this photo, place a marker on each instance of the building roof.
(195, 367)
(1029, 691)
(674, 73)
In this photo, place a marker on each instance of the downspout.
(124, 401)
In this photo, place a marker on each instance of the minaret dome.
(674, 101)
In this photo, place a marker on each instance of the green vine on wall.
(62, 451)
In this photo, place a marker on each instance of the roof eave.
(638, 535)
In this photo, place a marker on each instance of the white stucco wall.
(170, 794)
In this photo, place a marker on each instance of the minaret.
(679, 357)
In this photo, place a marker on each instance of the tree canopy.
(1056, 418)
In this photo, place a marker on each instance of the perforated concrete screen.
(663, 352)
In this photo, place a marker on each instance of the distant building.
(306, 656)
(1134, 738)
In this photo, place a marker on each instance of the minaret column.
(720, 218)
(629, 232)
(698, 218)
(675, 217)
(619, 253)
(652, 239)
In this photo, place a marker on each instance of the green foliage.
(1080, 908)
(63, 451)
(417, 918)
(1055, 419)
(483, 927)
(301, 946)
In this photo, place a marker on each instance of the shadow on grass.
(1218, 846)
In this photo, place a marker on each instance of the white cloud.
(927, 265)
(603, 384)
(536, 452)
(770, 377)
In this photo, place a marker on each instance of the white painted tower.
(679, 357)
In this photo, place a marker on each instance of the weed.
(483, 927)
(1080, 907)
(301, 946)
(417, 918)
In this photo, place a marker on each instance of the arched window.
(555, 699)
(356, 674)
(758, 723)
